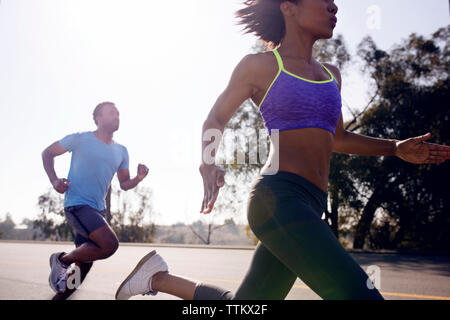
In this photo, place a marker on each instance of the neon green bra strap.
(281, 66)
(279, 60)
(329, 72)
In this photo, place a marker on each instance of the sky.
(163, 63)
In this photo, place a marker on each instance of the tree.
(129, 214)
(411, 83)
(227, 207)
(128, 218)
(7, 227)
(51, 219)
(204, 231)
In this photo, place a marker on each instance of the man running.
(96, 157)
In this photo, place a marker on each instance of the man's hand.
(61, 185)
(213, 179)
(415, 150)
(142, 172)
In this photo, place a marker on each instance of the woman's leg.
(292, 230)
(175, 285)
(266, 279)
(295, 242)
(304, 248)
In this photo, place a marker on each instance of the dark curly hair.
(264, 19)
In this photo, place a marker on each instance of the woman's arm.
(414, 150)
(352, 143)
(240, 88)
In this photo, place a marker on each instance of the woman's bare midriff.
(306, 152)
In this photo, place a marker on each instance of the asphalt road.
(24, 270)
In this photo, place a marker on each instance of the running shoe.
(58, 273)
(138, 281)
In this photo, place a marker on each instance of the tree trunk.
(363, 227)
(404, 224)
(209, 234)
(205, 241)
(108, 206)
(334, 213)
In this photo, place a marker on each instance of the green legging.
(284, 211)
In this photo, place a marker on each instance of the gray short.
(84, 219)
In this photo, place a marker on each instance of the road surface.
(24, 270)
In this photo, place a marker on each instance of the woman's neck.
(298, 45)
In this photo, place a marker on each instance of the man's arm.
(48, 155)
(124, 177)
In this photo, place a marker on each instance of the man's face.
(109, 118)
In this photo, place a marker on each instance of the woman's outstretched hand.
(213, 179)
(416, 150)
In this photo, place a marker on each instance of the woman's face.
(317, 17)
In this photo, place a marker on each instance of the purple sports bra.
(293, 102)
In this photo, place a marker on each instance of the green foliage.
(51, 223)
(7, 226)
(251, 235)
(412, 94)
(333, 51)
(204, 232)
(128, 218)
(10, 231)
(129, 214)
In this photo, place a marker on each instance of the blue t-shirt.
(92, 168)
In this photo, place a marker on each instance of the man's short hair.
(98, 109)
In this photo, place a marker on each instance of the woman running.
(299, 99)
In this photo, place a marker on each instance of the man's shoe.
(58, 273)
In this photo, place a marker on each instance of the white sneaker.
(138, 280)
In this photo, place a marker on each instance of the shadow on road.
(438, 265)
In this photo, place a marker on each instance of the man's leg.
(103, 243)
(91, 225)
(84, 270)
